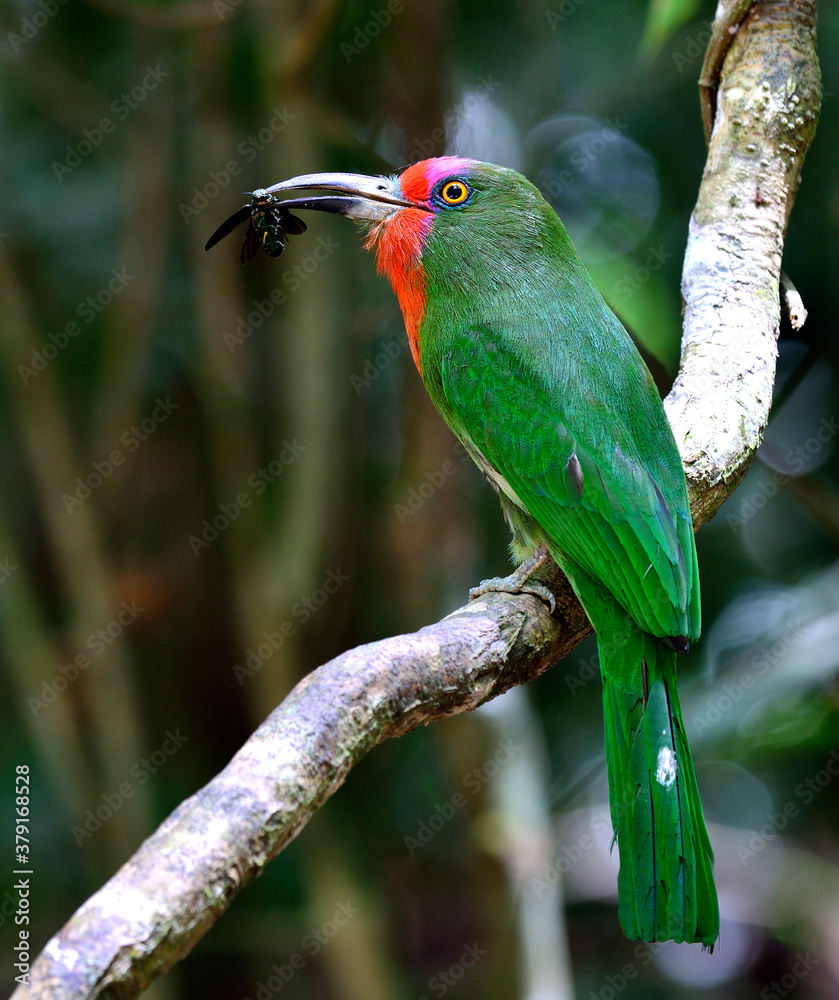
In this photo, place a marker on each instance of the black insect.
(269, 225)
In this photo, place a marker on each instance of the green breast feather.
(617, 514)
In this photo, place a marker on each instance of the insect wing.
(229, 225)
(290, 223)
(269, 225)
(251, 244)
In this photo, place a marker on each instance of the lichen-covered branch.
(184, 876)
(767, 105)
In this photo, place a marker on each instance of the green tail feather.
(666, 883)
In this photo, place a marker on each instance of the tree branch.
(767, 107)
(180, 881)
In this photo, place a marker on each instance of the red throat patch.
(398, 243)
(399, 240)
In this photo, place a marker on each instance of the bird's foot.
(516, 582)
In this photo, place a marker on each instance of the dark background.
(145, 384)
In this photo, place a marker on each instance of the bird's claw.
(512, 585)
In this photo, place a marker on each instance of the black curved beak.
(358, 196)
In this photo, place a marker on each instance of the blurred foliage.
(664, 17)
(216, 478)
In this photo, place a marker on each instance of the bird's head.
(447, 226)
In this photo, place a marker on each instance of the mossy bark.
(762, 78)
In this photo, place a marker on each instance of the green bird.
(537, 377)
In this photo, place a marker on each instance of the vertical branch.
(766, 112)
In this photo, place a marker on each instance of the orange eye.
(454, 192)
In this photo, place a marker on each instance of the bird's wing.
(616, 508)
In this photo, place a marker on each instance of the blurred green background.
(150, 391)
